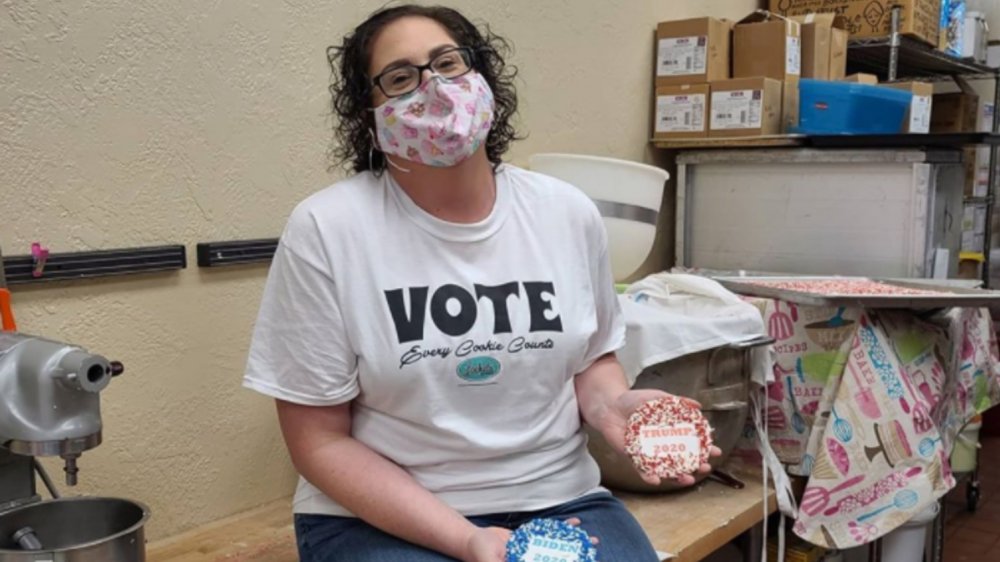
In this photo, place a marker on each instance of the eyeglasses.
(402, 80)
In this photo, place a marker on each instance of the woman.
(435, 328)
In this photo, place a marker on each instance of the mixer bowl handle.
(746, 345)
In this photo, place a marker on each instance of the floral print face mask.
(441, 123)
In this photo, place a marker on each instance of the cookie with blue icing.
(550, 540)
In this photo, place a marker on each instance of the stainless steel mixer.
(50, 407)
(50, 400)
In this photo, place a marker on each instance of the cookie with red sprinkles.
(668, 437)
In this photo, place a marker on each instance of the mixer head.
(50, 398)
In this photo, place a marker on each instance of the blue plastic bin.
(846, 108)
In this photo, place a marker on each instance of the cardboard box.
(797, 550)
(791, 105)
(824, 46)
(746, 107)
(973, 228)
(692, 51)
(839, 39)
(969, 163)
(861, 78)
(982, 185)
(682, 112)
(957, 112)
(918, 119)
(767, 45)
(920, 19)
(951, 113)
(970, 265)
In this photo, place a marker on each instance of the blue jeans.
(324, 538)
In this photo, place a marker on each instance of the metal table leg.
(752, 543)
(875, 551)
(972, 487)
(935, 553)
(991, 193)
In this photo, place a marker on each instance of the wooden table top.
(689, 525)
(772, 141)
(262, 535)
(693, 524)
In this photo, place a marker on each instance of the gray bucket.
(77, 530)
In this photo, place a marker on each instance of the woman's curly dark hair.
(351, 87)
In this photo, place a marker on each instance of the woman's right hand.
(487, 544)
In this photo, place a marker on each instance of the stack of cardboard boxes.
(959, 112)
(690, 55)
(718, 79)
(723, 80)
(919, 20)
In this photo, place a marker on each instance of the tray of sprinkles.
(862, 292)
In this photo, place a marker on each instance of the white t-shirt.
(458, 343)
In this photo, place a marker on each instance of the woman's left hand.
(615, 419)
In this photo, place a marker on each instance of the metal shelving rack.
(897, 57)
(913, 59)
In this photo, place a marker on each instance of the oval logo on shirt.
(478, 369)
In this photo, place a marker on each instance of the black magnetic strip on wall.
(69, 266)
(235, 252)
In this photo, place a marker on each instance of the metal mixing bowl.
(77, 530)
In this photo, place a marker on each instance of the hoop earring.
(371, 154)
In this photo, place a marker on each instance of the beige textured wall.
(992, 10)
(138, 122)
